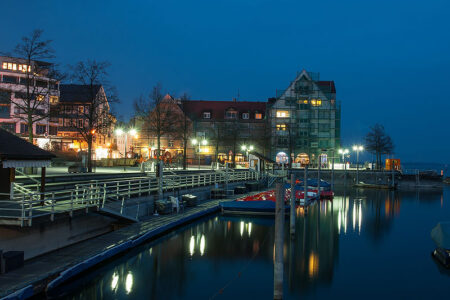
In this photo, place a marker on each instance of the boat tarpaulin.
(441, 235)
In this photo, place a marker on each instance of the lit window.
(10, 66)
(315, 102)
(14, 67)
(206, 115)
(54, 99)
(305, 101)
(281, 127)
(80, 110)
(40, 97)
(282, 114)
(245, 116)
(24, 68)
(5, 65)
(258, 116)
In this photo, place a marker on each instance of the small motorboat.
(441, 237)
(255, 207)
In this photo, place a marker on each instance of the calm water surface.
(363, 244)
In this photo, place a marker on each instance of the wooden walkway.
(38, 272)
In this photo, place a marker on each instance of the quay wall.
(48, 236)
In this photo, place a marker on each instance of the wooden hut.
(16, 152)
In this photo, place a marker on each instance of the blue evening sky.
(390, 59)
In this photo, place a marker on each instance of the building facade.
(305, 121)
(27, 90)
(73, 115)
(225, 130)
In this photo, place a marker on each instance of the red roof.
(196, 108)
(328, 86)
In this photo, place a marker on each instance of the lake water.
(363, 244)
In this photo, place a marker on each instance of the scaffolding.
(313, 122)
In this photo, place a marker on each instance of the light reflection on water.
(358, 240)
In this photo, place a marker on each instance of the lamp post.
(247, 149)
(120, 132)
(357, 148)
(343, 152)
(195, 142)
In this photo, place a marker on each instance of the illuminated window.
(258, 116)
(282, 114)
(24, 68)
(5, 65)
(315, 102)
(54, 99)
(281, 127)
(40, 97)
(80, 109)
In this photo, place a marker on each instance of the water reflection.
(228, 255)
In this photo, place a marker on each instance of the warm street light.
(132, 132)
(357, 148)
(194, 142)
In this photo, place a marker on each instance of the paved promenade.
(38, 272)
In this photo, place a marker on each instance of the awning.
(25, 163)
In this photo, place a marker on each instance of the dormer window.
(258, 116)
(245, 116)
(206, 115)
(231, 114)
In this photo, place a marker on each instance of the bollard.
(292, 204)
(279, 241)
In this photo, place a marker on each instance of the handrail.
(26, 205)
(29, 177)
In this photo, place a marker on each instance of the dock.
(56, 267)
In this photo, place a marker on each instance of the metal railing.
(24, 205)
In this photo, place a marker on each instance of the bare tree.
(96, 116)
(231, 137)
(378, 143)
(41, 78)
(158, 114)
(184, 127)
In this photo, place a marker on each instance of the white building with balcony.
(27, 90)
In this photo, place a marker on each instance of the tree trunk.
(184, 154)
(158, 151)
(89, 154)
(30, 127)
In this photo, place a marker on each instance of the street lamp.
(120, 132)
(343, 152)
(195, 142)
(357, 148)
(247, 149)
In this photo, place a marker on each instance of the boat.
(441, 237)
(375, 186)
(257, 207)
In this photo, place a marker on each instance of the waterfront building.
(227, 126)
(305, 121)
(27, 90)
(73, 114)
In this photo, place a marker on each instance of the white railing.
(24, 205)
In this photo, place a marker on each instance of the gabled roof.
(16, 148)
(195, 108)
(77, 93)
